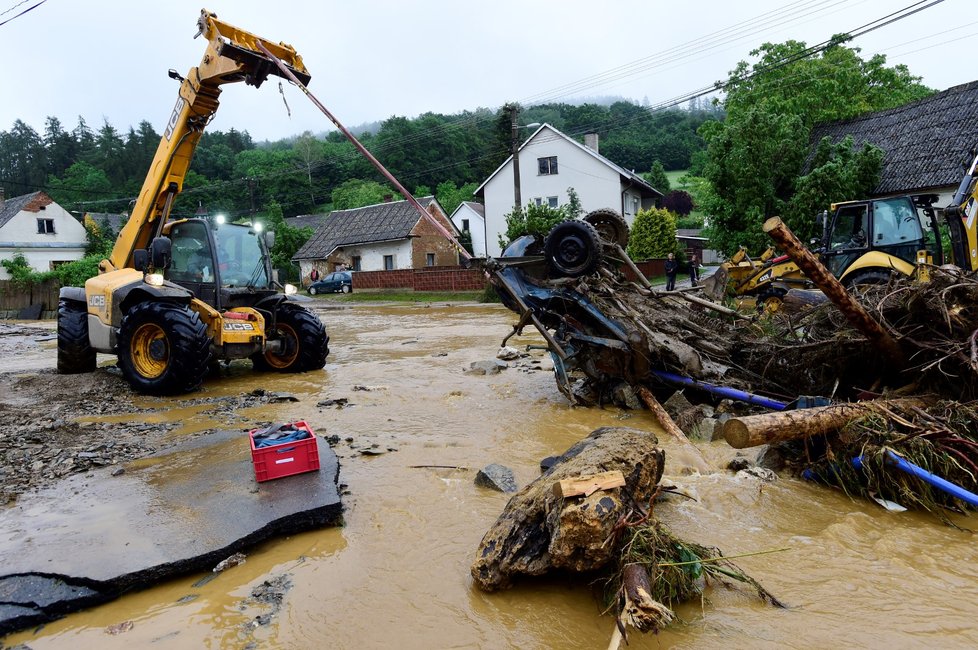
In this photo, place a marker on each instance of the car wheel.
(312, 291)
(572, 248)
(346, 288)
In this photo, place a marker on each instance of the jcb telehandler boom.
(177, 295)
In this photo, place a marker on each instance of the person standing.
(694, 269)
(314, 274)
(672, 266)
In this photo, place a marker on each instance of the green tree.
(534, 220)
(653, 235)
(288, 240)
(757, 155)
(657, 178)
(450, 196)
(356, 193)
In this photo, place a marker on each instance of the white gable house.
(470, 216)
(34, 226)
(550, 162)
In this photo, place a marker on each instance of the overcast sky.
(370, 59)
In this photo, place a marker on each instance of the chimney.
(3, 197)
(388, 198)
(591, 141)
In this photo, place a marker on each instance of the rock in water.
(496, 477)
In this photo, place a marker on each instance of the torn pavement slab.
(92, 537)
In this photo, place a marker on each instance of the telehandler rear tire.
(163, 348)
(75, 354)
(305, 339)
(610, 226)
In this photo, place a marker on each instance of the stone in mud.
(676, 404)
(496, 477)
(770, 458)
(507, 353)
(624, 395)
(760, 473)
(491, 367)
(739, 463)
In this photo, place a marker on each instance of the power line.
(21, 13)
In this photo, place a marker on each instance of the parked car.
(341, 281)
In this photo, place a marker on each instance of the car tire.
(573, 249)
(312, 291)
(610, 225)
(306, 342)
(346, 288)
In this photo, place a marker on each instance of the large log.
(539, 531)
(770, 428)
(669, 425)
(834, 291)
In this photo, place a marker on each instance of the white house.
(471, 216)
(550, 162)
(36, 227)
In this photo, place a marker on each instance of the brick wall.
(433, 278)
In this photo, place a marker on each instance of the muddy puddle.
(397, 574)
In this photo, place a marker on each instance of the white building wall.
(372, 255)
(19, 235)
(596, 184)
(477, 226)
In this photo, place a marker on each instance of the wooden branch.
(641, 276)
(770, 428)
(588, 484)
(670, 427)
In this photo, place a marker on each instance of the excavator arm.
(232, 55)
(961, 217)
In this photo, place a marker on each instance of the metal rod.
(369, 156)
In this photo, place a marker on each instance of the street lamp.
(514, 119)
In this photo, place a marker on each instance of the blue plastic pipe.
(723, 391)
(955, 491)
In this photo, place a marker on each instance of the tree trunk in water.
(669, 426)
(539, 531)
(770, 428)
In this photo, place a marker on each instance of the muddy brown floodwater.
(397, 574)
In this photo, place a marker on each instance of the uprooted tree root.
(941, 439)
(657, 571)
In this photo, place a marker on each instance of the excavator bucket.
(242, 46)
(715, 286)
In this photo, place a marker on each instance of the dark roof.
(373, 223)
(478, 208)
(926, 143)
(12, 207)
(306, 221)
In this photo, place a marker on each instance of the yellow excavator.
(178, 295)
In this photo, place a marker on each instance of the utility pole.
(514, 112)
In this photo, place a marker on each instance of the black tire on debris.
(610, 225)
(572, 249)
(306, 342)
(164, 348)
(867, 276)
(75, 354)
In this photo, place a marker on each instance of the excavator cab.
(864, 241)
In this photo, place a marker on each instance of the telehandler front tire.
(163, 348)
(75, 353)
(306, 344)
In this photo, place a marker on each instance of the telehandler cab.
(176, 296)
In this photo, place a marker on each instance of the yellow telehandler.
(176, 296)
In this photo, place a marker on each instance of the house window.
(547, 166)
(429, 259)
(552, 201)
(465, 225)
(45, 226)
(388, 262)
(538, 201)
(356, 262)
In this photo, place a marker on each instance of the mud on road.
(54, 425)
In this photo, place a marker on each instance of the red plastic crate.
(286, 459)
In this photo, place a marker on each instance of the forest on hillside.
(101, 170)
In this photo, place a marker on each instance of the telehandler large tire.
(75, 353)
(305, 339)
(610, 226)
(163, 348)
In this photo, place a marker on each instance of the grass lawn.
(393, 295)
